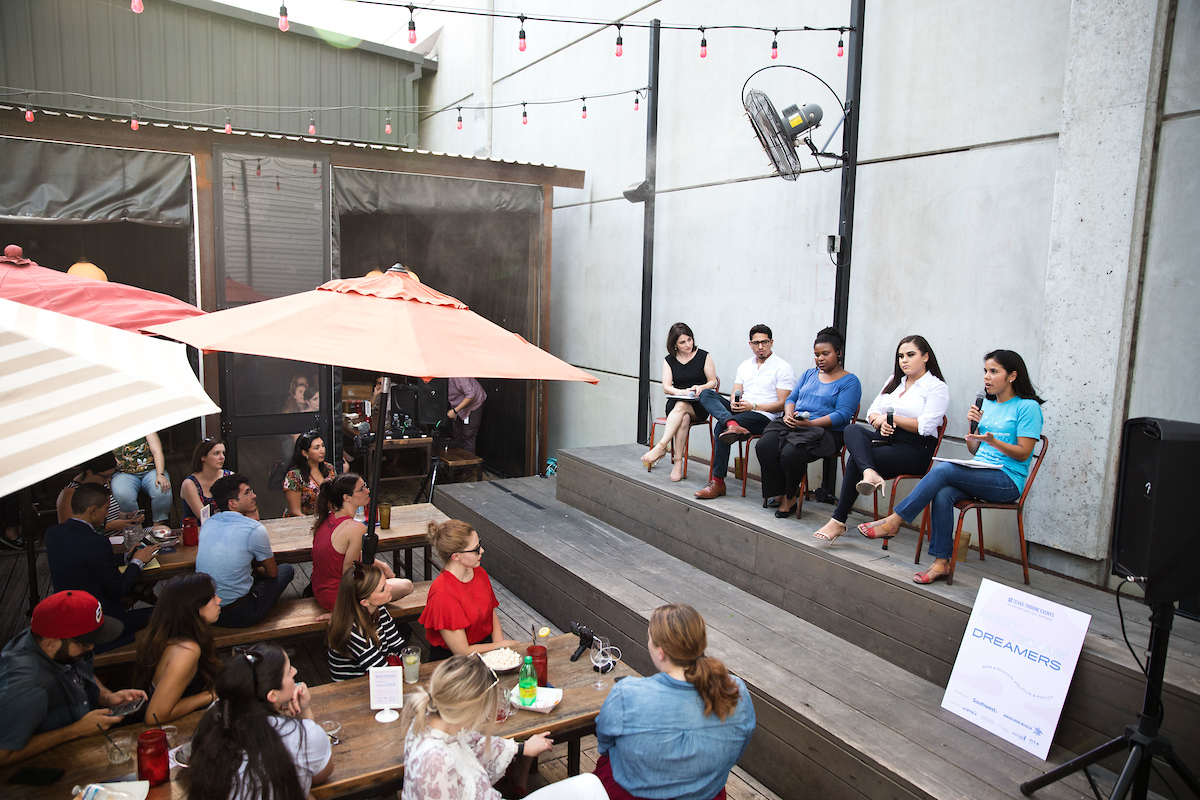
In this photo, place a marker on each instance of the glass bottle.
(527, 681)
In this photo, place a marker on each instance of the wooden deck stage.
(846, 657)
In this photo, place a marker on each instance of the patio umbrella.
(115, 304)
(390, 324)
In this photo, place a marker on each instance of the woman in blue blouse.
(814, 416)
(1010, 424)
(675, 734)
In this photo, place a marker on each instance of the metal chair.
(896, 480)
(804, 480)
(964, 506)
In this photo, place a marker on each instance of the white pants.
(581, 787)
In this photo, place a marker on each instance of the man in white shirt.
(763, 383)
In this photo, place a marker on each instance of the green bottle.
(527, 681)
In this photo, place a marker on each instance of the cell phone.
(125, 709)
(36, 776)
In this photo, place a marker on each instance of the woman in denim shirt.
(678, 733)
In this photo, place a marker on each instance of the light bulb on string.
(412, 25)
(521, 35)
(703, 44)
(315, 168)
(841, 47)
(277, 183)
(136, 6)
(524, 115)
(133, 121)
(387, 126)
(460, 119)
(258, 169)
(584, 99)
(775, 45)
(312, 126)
(620, 42)
(232, 185)
(228, 125)
(283, 20)
(29, 112)
(636, 97)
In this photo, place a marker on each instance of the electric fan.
(778, 134)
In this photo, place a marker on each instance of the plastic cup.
(120, 749)
(411, 658)
(385, 515)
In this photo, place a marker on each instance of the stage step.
(833, 719)
(866, 596)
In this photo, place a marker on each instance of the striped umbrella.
(72, 389)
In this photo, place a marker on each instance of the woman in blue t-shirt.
(1010, 424)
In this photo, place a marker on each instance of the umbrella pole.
(370, 538)
(27, 530)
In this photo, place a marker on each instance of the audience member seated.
(460, 615)
(686, 370)
(877, 452)
(99, 470)
(760, 387)
(303, 481)
(362, 634)
(259, 739)
(295, 402)
(141, 467)
(1010, 424)
(177, 663)
(814, 416)
(208, 462)
(679, 732)
(81, 558)
(447, 757)
(48, 694)
(337, 540)
(236, 551)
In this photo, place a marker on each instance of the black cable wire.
(1162, 707)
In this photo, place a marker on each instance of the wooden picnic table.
(370, 755)
(291, 540)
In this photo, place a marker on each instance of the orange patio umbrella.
(389, 323)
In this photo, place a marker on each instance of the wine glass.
(602, 659)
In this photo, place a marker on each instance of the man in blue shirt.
(48, 694)
(81, 558)
(236, 551)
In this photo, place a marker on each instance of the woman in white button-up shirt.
(918, 398)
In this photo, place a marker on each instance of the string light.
(283, 20)
(620, 41)
(228, 125)
(277, 183)
(775, 45)
(315, 168)
(258, 169)
(136, 6)
(312, 126)
(841, 47)
(584, 99)
(521, 35)
(29, 112)
(387, 126)
(133, 121)
(460, 119)
(636, 97)
(232, 185)
(703, 44)
(412, 25)
(524, 115)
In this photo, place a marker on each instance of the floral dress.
(438, 766)
(307, 487)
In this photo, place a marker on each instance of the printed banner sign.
(1015, 665)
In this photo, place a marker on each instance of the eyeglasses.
(476, 549)
(495, 677)
(761, 343)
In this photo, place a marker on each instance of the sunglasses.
(495, 677)
(358, 571)
(477, 549)
(255, 658)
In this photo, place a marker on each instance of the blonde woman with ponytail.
(448, 753)
(675, 734)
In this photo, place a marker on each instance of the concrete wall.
(984, 127)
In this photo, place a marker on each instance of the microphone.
(803, 415)
(978, 404)
(890, 411)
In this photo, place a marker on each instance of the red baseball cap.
(74, 615)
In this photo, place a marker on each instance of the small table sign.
(387, 692)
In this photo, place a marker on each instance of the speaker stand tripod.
(1143, 741)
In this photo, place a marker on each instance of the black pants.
(897, 457)
(783, 465)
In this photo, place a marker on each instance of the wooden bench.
(456, 458)
(287, 619)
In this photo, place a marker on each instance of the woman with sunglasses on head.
(177, 662)
(447, 752)
(1010, 424)
(337, 540)
(679, 732)
(916, 398)
(208, 466)
(361, 633)
(309, 470)
(98, 470)
(460, 615)
(259, 739)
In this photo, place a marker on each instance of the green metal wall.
(214, 56)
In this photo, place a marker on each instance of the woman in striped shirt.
(361, 633)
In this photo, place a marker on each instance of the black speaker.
(1155, 536)
(435, 400)
(405, 400)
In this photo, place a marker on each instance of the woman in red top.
(337, 539)
(460, 616)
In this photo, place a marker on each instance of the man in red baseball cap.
(48, 692)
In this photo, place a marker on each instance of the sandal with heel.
(878, 530)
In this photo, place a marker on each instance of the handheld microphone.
(890, 411)
(978, 404)
(803, 415)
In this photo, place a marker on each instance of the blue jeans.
(250, 608)
(125, 487)
(718, 408)
(944, 486)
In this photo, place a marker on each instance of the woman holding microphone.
(1009, 425)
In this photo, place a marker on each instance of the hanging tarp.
(362, 191)
(52, 182)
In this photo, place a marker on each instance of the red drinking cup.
(191, 532)
(152, 762)
(540, 663)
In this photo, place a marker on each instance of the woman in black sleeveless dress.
(686, 370)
